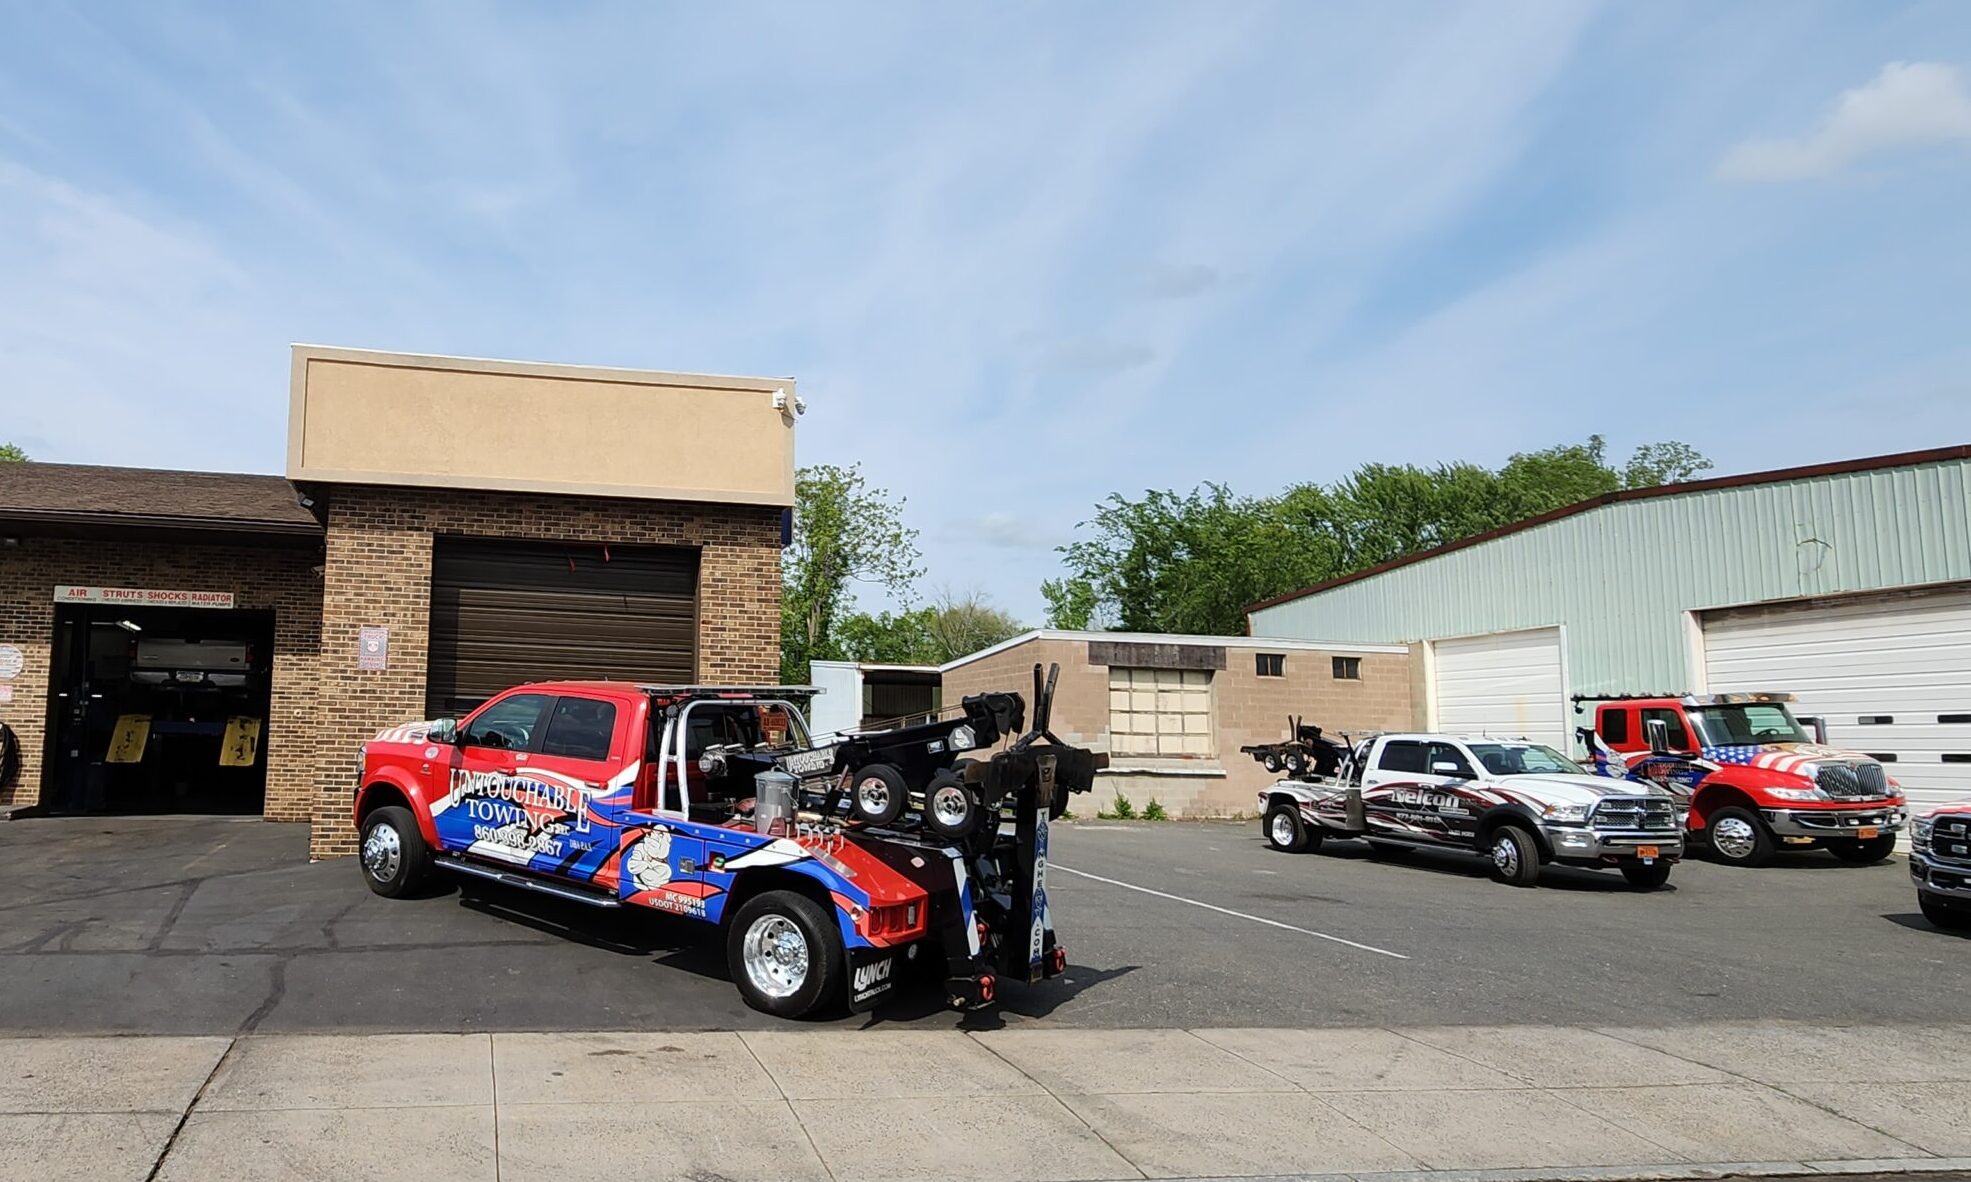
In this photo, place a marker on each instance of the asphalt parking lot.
(169, 925)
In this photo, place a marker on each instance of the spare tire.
(878, 793)
(951, 809)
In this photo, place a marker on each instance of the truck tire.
(878, 794)
(1862, 851)
(1943, 913)
(951, 809)
(1646, 877)
(1286, 832)
(1515, 856)
(1271, 762)
(1738, 837)
(784, 954)
(395, 860)
(1296, 764)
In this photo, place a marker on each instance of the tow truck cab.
(1750, 777)
(618, 795)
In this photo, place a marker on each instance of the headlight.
(362, 764)
(1921, 830)
(961, 739)
(712, 763)
(1568, 814)
(1798, 793)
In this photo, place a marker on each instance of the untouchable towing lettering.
(527, 793)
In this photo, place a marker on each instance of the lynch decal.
(873, 978)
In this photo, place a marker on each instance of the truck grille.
(1950, 840)
(1636, 812)
(1852, 779)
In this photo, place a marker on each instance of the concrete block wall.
(280, 579)
(1247, 709)
(378, 572)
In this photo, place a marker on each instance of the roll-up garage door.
(506, 612)
(1507, 685)
(1890, 675)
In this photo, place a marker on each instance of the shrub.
(1121, 810)
(1153, 811)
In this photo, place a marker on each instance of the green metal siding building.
(1850, 582)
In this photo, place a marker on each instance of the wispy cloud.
(1908, 105)
(1075, 249)
(1180, 281)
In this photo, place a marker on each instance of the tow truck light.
(895, 922)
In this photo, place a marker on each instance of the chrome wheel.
(1734, 838)
(951, 806)
(1282, 830)
(873, 797)
(776, 956)
(383, 851)
(1505, 855)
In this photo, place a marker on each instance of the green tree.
(1188, 562)
(1191, 562)
(1071, 602)
(11, 453)
(1663, 463)
(961, 624)
(845, 532)
(902, 638)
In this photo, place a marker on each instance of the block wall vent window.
(1876, 719)
(1271, 664)
(1884, 757)
(1163, 712)
(1954, 719)
(1957, 757)
(1348, 668)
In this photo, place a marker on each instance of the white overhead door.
(1891, 675)
(1508, 685)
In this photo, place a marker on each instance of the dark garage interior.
(158, 710)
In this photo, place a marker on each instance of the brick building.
(1173, 711)
(209, 642)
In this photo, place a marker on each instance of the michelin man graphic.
(650, 861)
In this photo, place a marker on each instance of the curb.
(1666, 1172)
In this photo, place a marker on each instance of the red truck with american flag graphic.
(1751, 779)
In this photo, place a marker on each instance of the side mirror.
(444, 730)
(1446, 768)
(1659, 736)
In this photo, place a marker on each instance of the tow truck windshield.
(1519, 759)
(1737, 725)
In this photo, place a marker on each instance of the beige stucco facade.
(362, 417)
(1242, 706)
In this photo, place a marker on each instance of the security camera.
(780, 401)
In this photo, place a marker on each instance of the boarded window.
(1160, 712)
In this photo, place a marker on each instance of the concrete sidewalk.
(1029, 1103)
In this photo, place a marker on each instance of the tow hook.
(970, 992)
(1057, 961)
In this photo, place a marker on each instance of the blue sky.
(1017, 256)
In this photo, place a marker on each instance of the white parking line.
(1271, 923)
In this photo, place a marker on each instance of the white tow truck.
(1518, 803)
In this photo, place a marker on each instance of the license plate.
(1867, 831)
(1646, 851)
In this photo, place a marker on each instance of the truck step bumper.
(528, 883)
